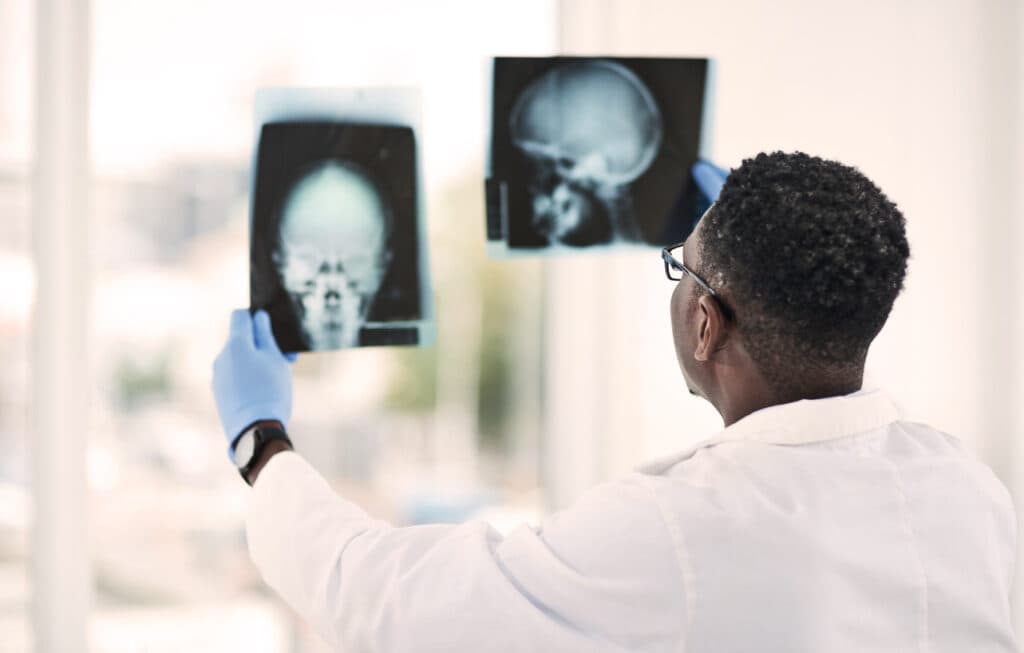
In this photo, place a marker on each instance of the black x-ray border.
(387, 155)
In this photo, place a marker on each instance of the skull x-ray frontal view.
(334, 255)
(592, 151)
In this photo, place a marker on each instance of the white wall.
(921, 95)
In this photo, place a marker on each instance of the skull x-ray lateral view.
(334, 251)
(591, 152)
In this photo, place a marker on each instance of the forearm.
(296, 530)
(362, 584)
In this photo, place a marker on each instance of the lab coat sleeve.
(601, 576)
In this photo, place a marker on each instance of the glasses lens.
(677, 254)
(672, 267)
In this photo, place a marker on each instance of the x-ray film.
(336, 242)
(593, 152)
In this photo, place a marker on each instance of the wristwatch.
(249, 446)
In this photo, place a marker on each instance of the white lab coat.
(825, 525)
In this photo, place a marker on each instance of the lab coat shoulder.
(600, 576)
(944, 462)
(952, 477)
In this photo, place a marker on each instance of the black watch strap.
(261, 436)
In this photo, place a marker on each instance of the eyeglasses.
(675, 269)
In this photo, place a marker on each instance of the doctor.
(815, 521)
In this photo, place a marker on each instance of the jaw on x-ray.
(332, 253)
(589, 129)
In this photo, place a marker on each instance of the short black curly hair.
(812, 254)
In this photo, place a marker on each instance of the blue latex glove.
(252, 379)
(709, 179)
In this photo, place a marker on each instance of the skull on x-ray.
(589, 129)
(332, 252)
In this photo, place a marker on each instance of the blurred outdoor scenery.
(414, 434)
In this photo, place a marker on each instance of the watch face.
(243, 449)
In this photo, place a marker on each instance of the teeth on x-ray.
(334, 239)
(585, 152)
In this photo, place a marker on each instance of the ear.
(712, 328)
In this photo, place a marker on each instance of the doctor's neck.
(745, 391)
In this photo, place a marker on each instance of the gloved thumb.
(264, 335)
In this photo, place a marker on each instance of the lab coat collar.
(800, 422)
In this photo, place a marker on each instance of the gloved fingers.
(710, 178)
(264, 333)
(291, 356)
(241, 325)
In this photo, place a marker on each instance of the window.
(394, 429)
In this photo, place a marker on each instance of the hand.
(252, 379)
(709, 179)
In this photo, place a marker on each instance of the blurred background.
(121, 521)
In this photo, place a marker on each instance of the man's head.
(808, 256)
(332, 252)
